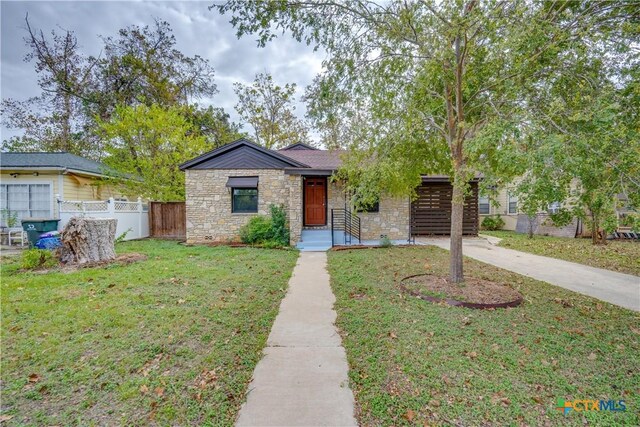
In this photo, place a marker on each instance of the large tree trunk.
(457, 211)
(595, 225)
(531, 219)
(88, 240)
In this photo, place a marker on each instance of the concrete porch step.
(315, 240)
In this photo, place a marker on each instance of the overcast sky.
(198, 31)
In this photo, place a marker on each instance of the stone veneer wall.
(208, 205)
(392, 219)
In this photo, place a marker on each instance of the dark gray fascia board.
(232, 145)
(309, 172)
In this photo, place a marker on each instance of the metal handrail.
(345, 221)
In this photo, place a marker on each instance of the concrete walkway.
(302, 378)
(610, 286)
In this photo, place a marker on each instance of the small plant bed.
(348, 248)
(473, 293)
(238, 245)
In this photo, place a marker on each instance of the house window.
(483, 205)
(513, 204)
(373, 206)
(26, 200)
(553, 208)
(244, 200)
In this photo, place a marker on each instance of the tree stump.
(88, 240)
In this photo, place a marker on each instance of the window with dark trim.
(370, 207)
(484, 208)
(244, 200)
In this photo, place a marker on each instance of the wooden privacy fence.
(168, 220)
(431, 211)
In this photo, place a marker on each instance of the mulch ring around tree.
(473, 293)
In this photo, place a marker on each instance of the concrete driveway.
(610, 286)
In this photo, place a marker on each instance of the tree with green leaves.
(269, 109)
(146, 144)
(443, 81)
(213, 123)
(585, 152)
(139, 66)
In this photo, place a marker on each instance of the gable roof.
(54, 161)
(242, 154)
(298, 146)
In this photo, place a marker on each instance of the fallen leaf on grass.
(435, 403)
(393, 335)
(144, 389)
(472, 355)
(592, 356)
(4, 418)
(409, 415)
(181, 301)
(206, 379)
(34, 378)
(159, 391)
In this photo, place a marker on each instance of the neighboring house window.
(483, 205)
(513, 204)
(244, 200)
(371, 207)
(553, 208)
(26, 200)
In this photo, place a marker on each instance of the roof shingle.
(316, 159)
(62, 160)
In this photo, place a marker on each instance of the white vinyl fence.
(133, 217)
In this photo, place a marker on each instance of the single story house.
(31, 182)
(228, 185)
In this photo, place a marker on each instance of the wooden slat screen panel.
(168, 220)
(431, 211)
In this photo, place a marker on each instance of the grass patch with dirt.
(413, 362)
(616, 255)
(170, 340)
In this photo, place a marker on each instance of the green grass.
(172, 340)
(414, 362)
(617, 255)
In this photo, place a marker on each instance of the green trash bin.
(36, 227)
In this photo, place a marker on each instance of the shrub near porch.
(417, 363)
(172, 340)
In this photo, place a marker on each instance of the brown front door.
(315, 201)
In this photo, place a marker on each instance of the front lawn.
(617, 255)
(416, 363)
(172, 340)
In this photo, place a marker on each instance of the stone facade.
(209, 216)
(295, 208)
(208, 205)
(391, 220)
